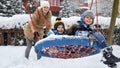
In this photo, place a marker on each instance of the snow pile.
(15, 21)
(20, 20)
(13, 57)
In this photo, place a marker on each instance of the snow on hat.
(45, 4)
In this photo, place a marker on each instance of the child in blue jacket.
(59, 28)
(82, 28)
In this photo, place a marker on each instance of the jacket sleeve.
(50, 33)
(48, 19)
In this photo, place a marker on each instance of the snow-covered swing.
(63, 46)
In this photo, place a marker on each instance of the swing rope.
(97, 15)
(42, 17)
(97, 25)
(33, 25)
(91, 5)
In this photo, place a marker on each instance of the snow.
(10, 22)
(13, 57)
(60, 37)
(20, 20)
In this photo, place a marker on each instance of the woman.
(83, 29)
(35, 28)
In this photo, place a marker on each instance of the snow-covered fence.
(16, 36)
(11, 37)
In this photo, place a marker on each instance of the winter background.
(13, 56)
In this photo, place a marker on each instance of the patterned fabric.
(82, 29)
(81, 33)
(68, 51)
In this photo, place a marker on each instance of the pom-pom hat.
(58, 22)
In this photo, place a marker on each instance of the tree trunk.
(112, 22)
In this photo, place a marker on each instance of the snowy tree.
(12, 7)
(104, 7)
(67, 9)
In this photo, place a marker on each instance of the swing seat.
(64, 46)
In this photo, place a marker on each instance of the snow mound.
(13, 57)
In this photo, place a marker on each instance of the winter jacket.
(77, 29)
(81, 26)
(82, 29)
(38, 24)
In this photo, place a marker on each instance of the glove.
(91, 36)
(35, 39)
(36, 34)
(50, 33)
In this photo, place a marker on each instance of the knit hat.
(87, 13)
(45, 4)
(58, 22)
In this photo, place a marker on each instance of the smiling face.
(60, 29)
(45, 10)
(88, 20)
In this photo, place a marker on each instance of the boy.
(82, 28)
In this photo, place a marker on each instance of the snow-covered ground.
(13, 57)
